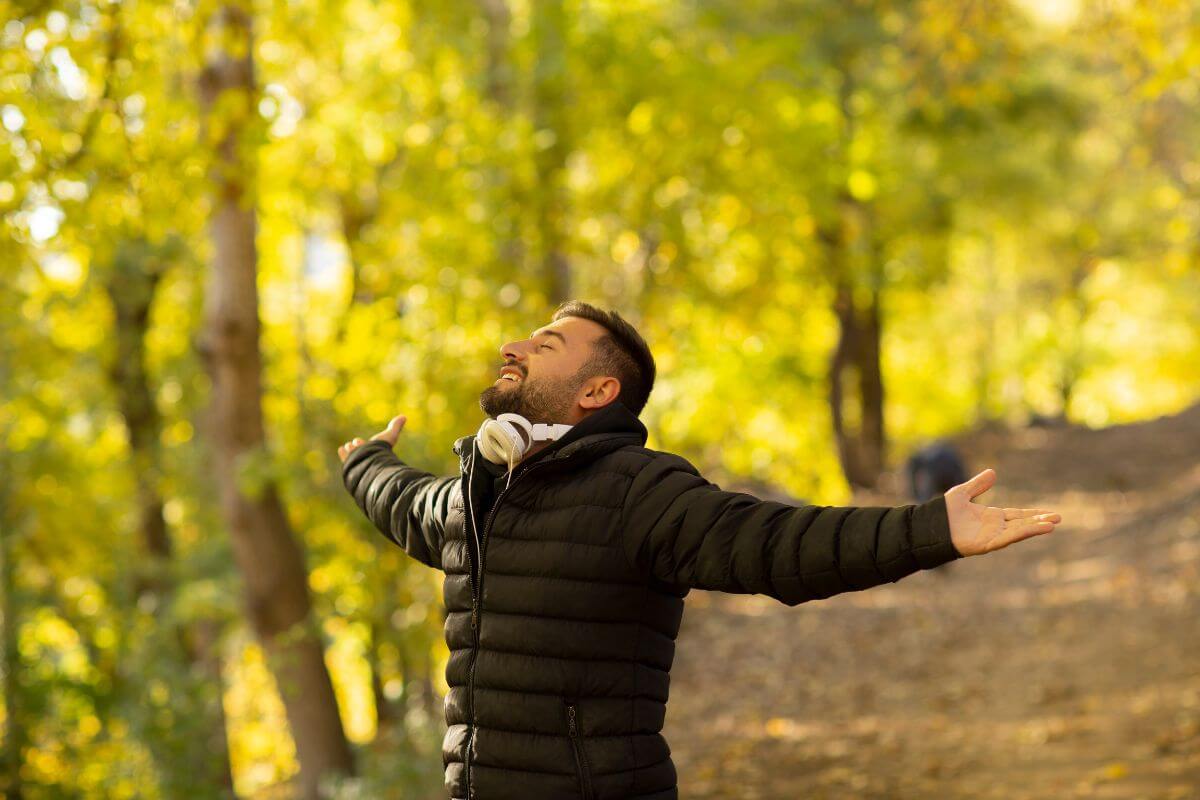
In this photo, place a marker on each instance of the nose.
(511, 352)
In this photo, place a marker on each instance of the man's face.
(543, 386)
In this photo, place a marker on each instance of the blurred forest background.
(845, 227)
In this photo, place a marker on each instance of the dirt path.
(1065, 666)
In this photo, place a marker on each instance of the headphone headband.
(507, 438)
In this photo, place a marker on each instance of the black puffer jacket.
(562, 635)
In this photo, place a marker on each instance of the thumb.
(981, 483)
(392, 432)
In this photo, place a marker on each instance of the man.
(933, 470)
(565, 581)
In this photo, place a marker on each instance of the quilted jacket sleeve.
(686, 532)
(407, 505)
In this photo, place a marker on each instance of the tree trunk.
(852, 251)
(499, 72)
(205, 650)
(1071, 368)
(984, 356)
(14, 720)
(131, 287)
(842, 366)
(872, 434)
(501, 92)
(266, 552)
(385, 712)
(550, 90)
(860, 436)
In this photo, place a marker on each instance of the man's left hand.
(977, 529)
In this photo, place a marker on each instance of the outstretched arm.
(406, 504)
(685, 531)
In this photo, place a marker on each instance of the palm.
(976, 529)
(389, 434)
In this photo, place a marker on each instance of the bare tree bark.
(14, 719)
(872, 433)
(266, 551)
(131, 285)
(849, 242)
(501, 92)
(861, 440)
(841, 365)
(385, 712)
(1074, 360)
(499, 71)
(551, 136)
(984, 356)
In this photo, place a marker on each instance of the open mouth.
(510, 377)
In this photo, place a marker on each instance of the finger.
(392, 432)
(981, 482)
(1035, 513)
(1028, 530)
(342, 452)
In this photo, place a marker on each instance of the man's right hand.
(389, 434)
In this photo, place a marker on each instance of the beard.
(537, 400)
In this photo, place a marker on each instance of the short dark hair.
(621, 353)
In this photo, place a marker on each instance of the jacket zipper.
(477, 601)
(581, 765)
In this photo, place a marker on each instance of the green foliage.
(1022, 193)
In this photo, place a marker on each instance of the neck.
(537, 447)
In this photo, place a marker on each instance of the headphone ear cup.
(505, 438)
(495, 443)
(519, 429)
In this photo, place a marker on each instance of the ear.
(599, 391)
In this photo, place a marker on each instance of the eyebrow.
(549, 333)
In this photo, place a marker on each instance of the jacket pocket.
(581, 764)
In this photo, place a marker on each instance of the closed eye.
(546, 345)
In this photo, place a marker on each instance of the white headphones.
(506, 439)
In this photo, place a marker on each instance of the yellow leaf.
(1116, 771)
(778, 727)
(862, 184)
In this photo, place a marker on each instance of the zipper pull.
(571, 719)
(474, 616)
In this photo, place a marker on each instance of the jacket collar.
(612, 427)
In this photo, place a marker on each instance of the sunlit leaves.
(1024, 190)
